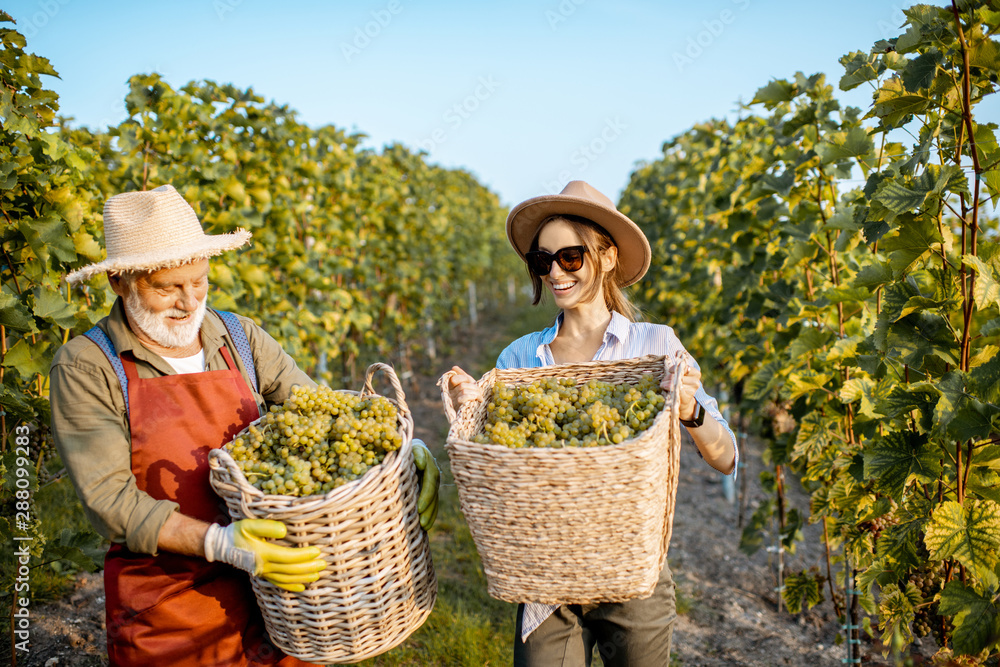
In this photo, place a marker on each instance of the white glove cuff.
(219, 546)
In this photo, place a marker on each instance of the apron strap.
(102, 341)
(239, 338)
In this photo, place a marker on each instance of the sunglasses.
(569, 259)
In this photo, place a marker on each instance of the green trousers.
(636, 633)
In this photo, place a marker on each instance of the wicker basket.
(379, 585)
(572, 525)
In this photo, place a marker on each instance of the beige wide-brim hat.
(582, 199)
(155, 229)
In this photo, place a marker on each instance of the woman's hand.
(690, 382)
(462, 388)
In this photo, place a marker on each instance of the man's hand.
(241, 544)
(430, 479)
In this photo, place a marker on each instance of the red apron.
(172, 609)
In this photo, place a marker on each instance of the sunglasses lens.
(570, 259)
(539, 262)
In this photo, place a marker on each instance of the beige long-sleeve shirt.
(91, 428)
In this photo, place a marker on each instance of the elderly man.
(137, 403)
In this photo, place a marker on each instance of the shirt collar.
(618, 328)
(124, 339)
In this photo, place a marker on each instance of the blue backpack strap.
(239, 337)
(102, 341)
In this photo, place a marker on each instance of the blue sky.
(526, 95)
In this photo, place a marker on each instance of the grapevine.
(317, 440)
(557, 412)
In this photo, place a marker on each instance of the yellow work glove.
(241, 544)
(430, 480)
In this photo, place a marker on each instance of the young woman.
(583, 251)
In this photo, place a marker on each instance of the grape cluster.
(929, 580)
(317, 440)
(557, 412)
(41, 449)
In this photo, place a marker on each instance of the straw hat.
(154, 229)
(579, 198)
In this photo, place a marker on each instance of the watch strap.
(698, 420)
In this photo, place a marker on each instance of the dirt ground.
(728, 603)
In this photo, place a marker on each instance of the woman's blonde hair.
(597, 242)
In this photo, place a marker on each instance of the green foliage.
(815, 263)
(803, 587)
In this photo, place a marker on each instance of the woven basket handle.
(449, 408)
(369, 390)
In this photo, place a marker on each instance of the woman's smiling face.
(567, 287)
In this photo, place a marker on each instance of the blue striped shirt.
(622, 340)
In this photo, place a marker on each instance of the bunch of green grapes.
(317, 440)
(557, 412)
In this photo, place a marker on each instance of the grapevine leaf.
(895, 616)
(920, 71)
(854, 144)
(812, 436)
(898, 542)
(809, 340)
(916, 337)
(985, 54)
(14, 315)
(984, 380)
(973, 421)
(873, 275)
(902, 400)
(905, 246)
(976, 618)
(969, 534)
(952, 397)
(859, 68)
(13, 403)
(47, 235)
(774, 93)
(895, 459)
(50, 305)
(893, 103)
(844, 349)
(846, 294)
(26, 360)
(802, 587)
(987, 289)
(82, 548)
(915, 304)
(755, 531)
(763, 381)
(992, 180)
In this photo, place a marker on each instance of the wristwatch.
(698, 420)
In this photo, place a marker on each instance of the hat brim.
(634, 254)
(209, 246)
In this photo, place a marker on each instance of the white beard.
(155, 326)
